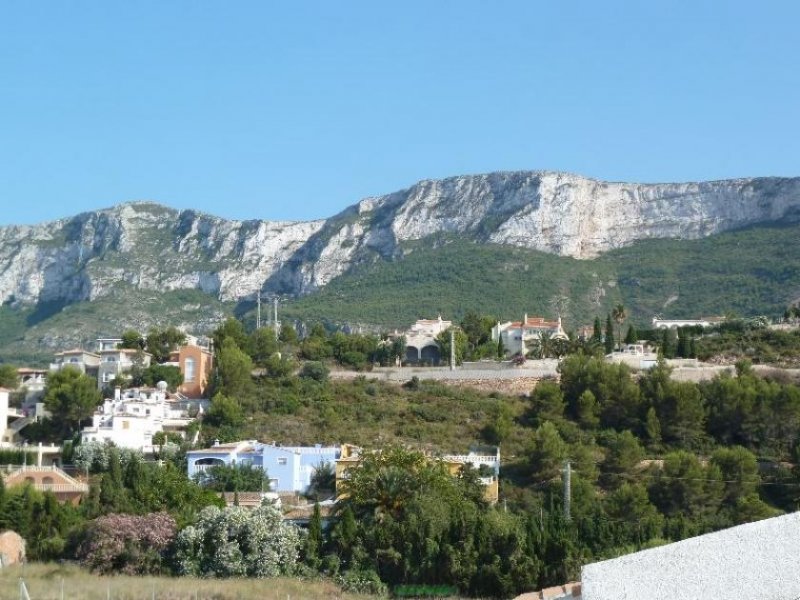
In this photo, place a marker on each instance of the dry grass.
(44, 582)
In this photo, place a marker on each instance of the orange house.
(195, 364)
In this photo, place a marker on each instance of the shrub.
(234, 542)
(315, 370)
(128, 544)
(362, 582)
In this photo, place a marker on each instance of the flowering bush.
(129, 544)
(234, 542)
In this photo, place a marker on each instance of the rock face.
(147, 246)
(12, 549)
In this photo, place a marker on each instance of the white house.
(132, 418)
(517, 335)
(421, 339)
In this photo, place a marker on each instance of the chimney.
(216, 442)
(525, 320)
(117, 393)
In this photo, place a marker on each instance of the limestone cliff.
(151, 247)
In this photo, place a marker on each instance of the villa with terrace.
(421, 345)
(517, 335)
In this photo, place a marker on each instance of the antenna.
(276, 323)
(452, 350)
(567, 489)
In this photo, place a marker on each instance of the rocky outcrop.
(148, 246)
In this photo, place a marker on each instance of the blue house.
(289, 468)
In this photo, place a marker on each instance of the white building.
(421, 339)
(518, 335)
(11, 420)
(132, 418)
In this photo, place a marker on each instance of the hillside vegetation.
(746, 272)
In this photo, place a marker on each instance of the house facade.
(48, 479)
(196, 364)
(289, 468)
(518, 336)
(106, 363)
(84, 361)
(116, 362)
(420, 338)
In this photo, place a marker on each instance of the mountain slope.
(504, 243)
(747, 272)
(151, 247)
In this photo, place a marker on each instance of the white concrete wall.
(757, 561)
(3, 413)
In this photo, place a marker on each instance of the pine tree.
(314, 538)
(597, 334)
(653, 428)
(609, 338)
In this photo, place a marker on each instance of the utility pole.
(567, 489)
(258, 310)
(452, 350)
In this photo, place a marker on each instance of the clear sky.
(294, 110)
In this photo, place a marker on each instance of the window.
(282, 460)
(126, 425)
(188, 370)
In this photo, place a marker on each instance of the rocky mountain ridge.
(151, 247)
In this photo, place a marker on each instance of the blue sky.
(295, 110)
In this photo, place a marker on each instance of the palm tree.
(619, 315)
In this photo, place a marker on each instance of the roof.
(536, 322)
(123, 350)
(27, 370)
(76, 351)
(2, 389)
(227, 448)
